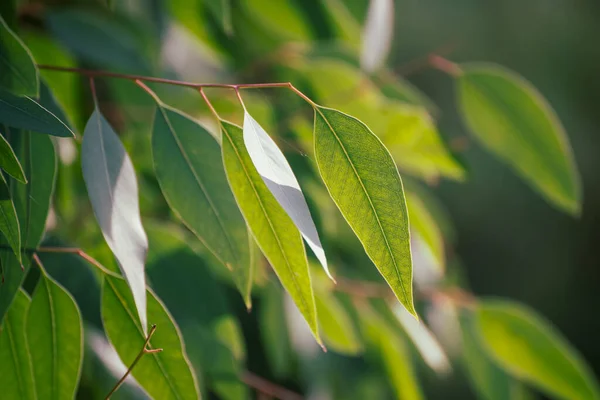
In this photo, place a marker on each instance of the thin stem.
(144, 350)
(209, 104)
(73, 250)
(93, 90)
(148, 90)
(239, 96)
(268, 388)
(445, 65)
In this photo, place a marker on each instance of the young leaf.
(32, 203)
(19, 73)
(363, 181)
(377, 34)
(529, 348)
(112, 188)
(9, 161)
(273, 229)
(191, 175)
(9, 223)
(55, 339)
(27, 113)
(336, 326)
(165, 375)
(16, 375)
(511, 119)
(279, 178)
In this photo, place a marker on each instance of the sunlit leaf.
(27, 113)
(32, 203)
(377, 35)
(279, 178)
(346, 26)
(9, 161)
(9, 223)
(112, 188)
(16, 375)
(364, 183)
(511, 119)
(423, 225)
(336, 326)
(529, 348)
(274, 231)
(188, 165)
(284, 22)
(55, 339)
(19, 73)
(165, 375)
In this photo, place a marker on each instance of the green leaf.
(16, 375)
(9, 161)
(279, 178)
(27, 113)
(165, 375)
(274, 231)
(112, 188)
(336, 325)
(423, 226)
(188, 165)
(512, 120)
(55, 338)
(9, 223)
(528, 347)
(19, 73)
(32, 203)
(364, 182)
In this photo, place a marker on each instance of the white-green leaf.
(16, 375)
(112, 188)
(378, 34)
(166, 375)
(529, 348)
(55, 339)
(9, 223)
(279, 178)
(274, 231)
(364, 182)
(423, 227)
(189, 169)
(19, 73)
(512, 120)
(9, 161)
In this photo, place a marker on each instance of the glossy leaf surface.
(19, 73)
(9, 161)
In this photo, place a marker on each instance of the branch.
(144, 350)
(268, 388)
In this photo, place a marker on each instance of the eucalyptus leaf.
(32, 203)
(187, 161)
(336, 325)
(164, 375)
(274, 231)
(423, 225)
(27, 113)
(9, 222)
(9, 161)
(377, 34)
(55, 339)
(112, 188)
(364, 182)
(16, 374)
(529, 348)
(512, 120)
(19, 73)
(279, 178)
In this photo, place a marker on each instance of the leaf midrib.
(17, 369)
(396, 268)
(32, 116)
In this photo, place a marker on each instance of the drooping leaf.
(423, 226)
(188, 165)
(9, 223)
(32, 203)
(529, 348)
(112, 188)
(336, 326)
(512, 120)
(274, 231)
(165, 375)
(363, 181)
(9, 161)
(426, 343)
(392, 353)
(19, 73)
(377, 35)
(16, 375)
(55, 339)
(26, 113)
(275, 171)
